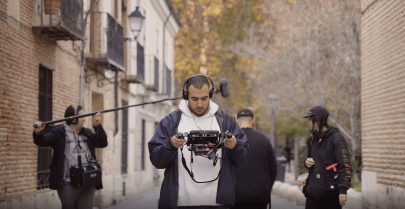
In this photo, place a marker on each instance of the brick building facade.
(383, 110)
(22, 52)
(40, 76)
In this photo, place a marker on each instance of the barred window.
(44, 114)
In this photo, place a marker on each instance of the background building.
(382, 72)
(46, 67)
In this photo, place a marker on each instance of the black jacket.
(323, 180)
(55, 138)
(255, 180)
(163, 155)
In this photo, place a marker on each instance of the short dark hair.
(245, 119)
(70, 112)
(198, 82)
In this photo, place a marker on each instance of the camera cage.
(201, 142)
(203, 137)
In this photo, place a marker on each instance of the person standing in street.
(287, 150)
(205, 185)
(328, 161)
(255, 181)
(71, 142)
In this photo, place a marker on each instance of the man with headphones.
(71, 143)
(208, 185)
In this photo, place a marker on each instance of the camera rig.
(204, 143)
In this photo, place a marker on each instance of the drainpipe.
(82, 86)
(164, 44)
(116, 102)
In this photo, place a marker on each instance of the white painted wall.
(379, 196)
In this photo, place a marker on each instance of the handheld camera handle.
(180, 135)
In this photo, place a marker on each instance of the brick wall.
(22, 49)
(21, 52)
(383, 98)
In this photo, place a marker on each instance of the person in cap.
(328, 162)
(255, 181)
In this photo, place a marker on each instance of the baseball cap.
(245, 112)
(317, 111)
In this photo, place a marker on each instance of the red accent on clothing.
(332, 166)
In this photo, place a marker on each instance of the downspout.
(116, 102)
(82, 86)
(164, 44)
(82, 76)
(93, 3)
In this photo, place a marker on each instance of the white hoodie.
(190, 192)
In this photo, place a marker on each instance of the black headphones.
(185, 93)
(75, 120)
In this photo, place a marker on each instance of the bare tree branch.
(314, 58)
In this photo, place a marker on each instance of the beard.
(203, 111)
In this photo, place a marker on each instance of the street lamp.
(272, 100)
(135, 21)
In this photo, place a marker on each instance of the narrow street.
(148, 200)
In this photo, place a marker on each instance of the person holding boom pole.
(72, 145)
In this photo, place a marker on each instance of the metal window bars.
(106, 41)
(60, 19)
(45, 113)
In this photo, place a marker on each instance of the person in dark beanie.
(255, 181)
(71, 142)
(328, 162)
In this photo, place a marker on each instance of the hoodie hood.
(327, 132)
(183, 106)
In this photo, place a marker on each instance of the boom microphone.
(223, 87)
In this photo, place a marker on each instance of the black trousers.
(251, 205)
(74, 197)
(204, 207)
(329, 203)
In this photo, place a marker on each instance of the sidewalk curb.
(293, 194)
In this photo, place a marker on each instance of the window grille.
(44, 114)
